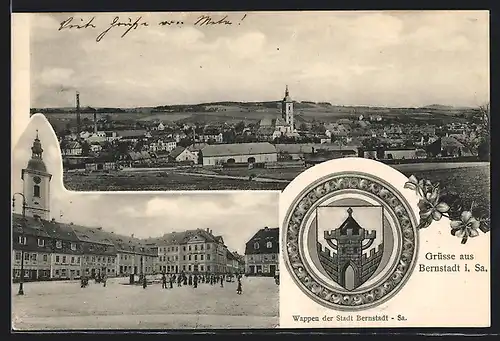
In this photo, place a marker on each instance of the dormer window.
(269, 245)
(73, 246)
(22, 240)
(41, 242)
(256, 246)
(59, 244)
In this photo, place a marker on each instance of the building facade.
(190, 252)
(261, 253)
(239, 153)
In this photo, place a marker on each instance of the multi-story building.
(31, 241)
(66, 256)
(192, 251)
(261, 253)
(98, 252)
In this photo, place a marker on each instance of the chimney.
(71, 223)
(78, 112)
(132, 235)
(53, 220)
(95, 123)
(208, 230)
(266, 228)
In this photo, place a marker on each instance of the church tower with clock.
(36, 183)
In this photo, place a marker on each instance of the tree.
(239, 127)
(185, 142)
(371, 143)
(200, 157)
(85, 148)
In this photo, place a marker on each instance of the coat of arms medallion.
(350, 240)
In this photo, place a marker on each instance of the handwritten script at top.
(131, 24)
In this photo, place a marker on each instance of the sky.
(393, 58)
(237, 216)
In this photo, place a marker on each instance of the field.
(150, 181)
(471, 181)
(64, 305)
(232, 114)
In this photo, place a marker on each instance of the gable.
(196, 239)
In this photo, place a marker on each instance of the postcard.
(299, 169)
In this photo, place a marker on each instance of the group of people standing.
(99, 278)
(167, 281)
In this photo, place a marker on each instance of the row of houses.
(55, 250)
(267, 153)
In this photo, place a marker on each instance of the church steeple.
(36, 183)
(36, 149)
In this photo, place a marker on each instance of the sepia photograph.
(136, 260)
(247, 101)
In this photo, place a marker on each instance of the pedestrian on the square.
(222, 281)
(171, 281)
(104, 278)
(82, 282)
(144, 282)
(195, 282)
(179, 281)
(190, 281)
(185, 280)
(239, 290)
(163, 281)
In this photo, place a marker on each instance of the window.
(22, 240)
(41, 242)
(195, 257)
(78, 272)
(184, 248)
(184, 267)
(64, 259)
(57, 272)
(208, 246)
(73, 246)
(176, 258)
(273, 256)
(33, 257)
(189, 257)
(189, 267)
(72, 260)
(18, 255)
(26, 256)
(208, 257)
(196, 247)
(57, 259)
(201, 257)
(201, 247)
(269, 245)
(36, 191)
(208, 267)
(256, 246)
(201, 267)
(184, 257)
(189, 247)
(59, 244)
(78, 260)
(168, 258)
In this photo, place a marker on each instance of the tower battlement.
(374, 253)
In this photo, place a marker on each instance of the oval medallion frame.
(310, 198)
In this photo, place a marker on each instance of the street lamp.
(21, 289)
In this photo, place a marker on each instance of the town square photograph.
(136, 260)
(247, 101)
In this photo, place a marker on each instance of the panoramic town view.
(154, 262)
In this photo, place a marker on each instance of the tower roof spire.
(36, 161)
(287, 95)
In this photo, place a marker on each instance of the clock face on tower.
(37, 180)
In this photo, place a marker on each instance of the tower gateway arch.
(349, 265)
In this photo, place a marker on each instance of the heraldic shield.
(350, 242)
(350, 236)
